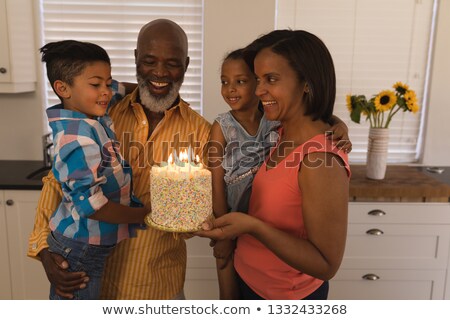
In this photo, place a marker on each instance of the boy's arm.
(49, 200)
(120, 90)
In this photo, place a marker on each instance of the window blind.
(374, 44)
(115, 24)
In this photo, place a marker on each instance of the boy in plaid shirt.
(98, 209)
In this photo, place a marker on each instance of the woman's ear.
(306, 88)
(62, 89)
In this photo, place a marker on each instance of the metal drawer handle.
(9, 202)
(3, 70)
(375, 232)
(377, 212)
(370, 276)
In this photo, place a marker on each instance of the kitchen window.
(115, 24)
(374, 44)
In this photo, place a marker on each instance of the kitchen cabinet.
(201, 275)
(17, 48)
(20, 276)
(394, 251)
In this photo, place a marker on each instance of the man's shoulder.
(194, 117)
(121, 106)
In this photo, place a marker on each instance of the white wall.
(230, 24)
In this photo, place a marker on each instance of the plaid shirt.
(91, 170)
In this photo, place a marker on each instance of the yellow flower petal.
(385, 100)
(400, 87)
(349, 102)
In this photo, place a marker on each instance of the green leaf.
(355, 115)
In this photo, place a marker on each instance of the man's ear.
(187, 63)
(62, 89)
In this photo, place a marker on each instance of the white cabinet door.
(395, 251)
(201, 275)
(4, 48)
(28, 278)
(17, 51)
(5, 277)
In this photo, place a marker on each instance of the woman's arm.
(325, 204)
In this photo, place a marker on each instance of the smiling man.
(150, 122)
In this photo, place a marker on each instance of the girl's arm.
(340, 134)
(216, 150)
(325, 205)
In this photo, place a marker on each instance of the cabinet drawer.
(392, 212)
(396, 246)
(390, 285)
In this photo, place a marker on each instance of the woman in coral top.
(292, 240)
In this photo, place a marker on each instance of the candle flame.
(197, 159)
(170, 160)
(184, 156)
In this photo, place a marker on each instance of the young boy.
(98, 208)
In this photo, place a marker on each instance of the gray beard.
(157, 103)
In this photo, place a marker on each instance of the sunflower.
(400, 87)
(411, 101)
(385, 100)
(349, 102)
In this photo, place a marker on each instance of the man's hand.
(65, 282)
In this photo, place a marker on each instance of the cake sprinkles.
(181, 196)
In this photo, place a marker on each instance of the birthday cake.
(181, 197)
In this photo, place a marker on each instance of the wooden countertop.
(401, 184)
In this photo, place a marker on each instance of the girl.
(240, 141)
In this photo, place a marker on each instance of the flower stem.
(391, 115)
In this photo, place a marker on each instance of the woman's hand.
(228, 226)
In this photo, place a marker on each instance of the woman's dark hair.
(310, 59)
(67, 59)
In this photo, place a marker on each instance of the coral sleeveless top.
(277, 200)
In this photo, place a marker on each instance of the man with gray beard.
(150, 123)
